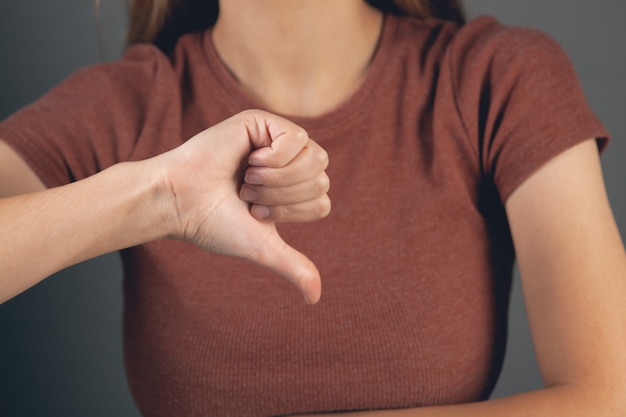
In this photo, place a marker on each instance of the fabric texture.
(415, 257)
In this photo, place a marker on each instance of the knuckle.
(247, 116)
(322, 159)
(301, 135)
(322, 184)
(324, 207)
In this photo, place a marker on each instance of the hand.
(287, 192)
(205, 175)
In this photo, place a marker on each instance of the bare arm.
(190, 193)
(573, 269)
(49, 230)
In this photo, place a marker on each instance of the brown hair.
(162, 22)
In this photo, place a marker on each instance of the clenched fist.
(233, 181)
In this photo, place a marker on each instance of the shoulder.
(144, 77)
(483, 47)
(142, 69)
(518, 96)
(485, 32)
(479, 41)
(485, 51)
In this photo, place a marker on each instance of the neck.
(301, 58)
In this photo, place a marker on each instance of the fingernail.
(248, 194)
(254, 161)
(260, 212)
(253, 179)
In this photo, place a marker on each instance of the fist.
(233, 181)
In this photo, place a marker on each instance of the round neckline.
(238, 99)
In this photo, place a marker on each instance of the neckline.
(237, 99)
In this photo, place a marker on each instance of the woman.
(436, 148)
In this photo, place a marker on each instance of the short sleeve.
(92, 119)
(519, 99)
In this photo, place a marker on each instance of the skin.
(190, 193)
(570, 254)
(330, 47)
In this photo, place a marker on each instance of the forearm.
(563, 400)
(44, 232)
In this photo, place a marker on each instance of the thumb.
(276, 255)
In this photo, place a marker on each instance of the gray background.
(60, 344)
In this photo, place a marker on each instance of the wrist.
(168, 186)
(154, 203)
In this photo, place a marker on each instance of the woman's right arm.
(43, 231)
(190, 193)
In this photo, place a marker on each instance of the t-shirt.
(415, 258)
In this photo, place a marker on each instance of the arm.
(573, 271)
(190, 193)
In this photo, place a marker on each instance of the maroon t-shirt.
(415, 257)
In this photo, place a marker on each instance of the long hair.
(162, 22)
